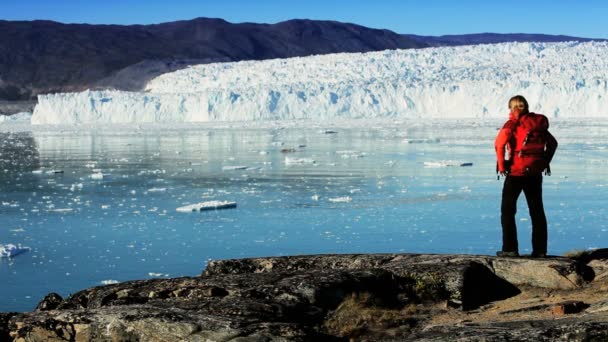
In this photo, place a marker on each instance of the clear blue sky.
(585, 18)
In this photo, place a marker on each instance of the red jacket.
(514, 162)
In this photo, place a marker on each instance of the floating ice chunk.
(447, 163)
(97, 176)
(61, 210)
(76, 186)
(208, 205)
(351, 154)
(10, 250)
(151, 172)
(315, 197)
(48, 172)
(344, 199)
(105, 206)
(109, 282)
(263, 153)
(422, 141)
(154, 274)
(157, 189)
(295, 161)
(234, 167)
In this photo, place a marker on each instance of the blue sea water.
(369, 190)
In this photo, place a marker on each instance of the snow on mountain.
(563, 80)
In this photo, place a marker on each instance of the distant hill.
(45, 56)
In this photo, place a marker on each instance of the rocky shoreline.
(363, 297)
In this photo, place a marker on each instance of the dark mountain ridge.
(44, 56)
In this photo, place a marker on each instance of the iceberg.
(22, 117)
(234, 167)
(299, 161)
(344, 199)
(97, 176)
(561, 80)
(209, 205)
(447, 163)
(10, 250)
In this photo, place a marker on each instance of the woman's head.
(518, 104)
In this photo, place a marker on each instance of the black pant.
(533, 190)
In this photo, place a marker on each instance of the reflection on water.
(110, 214)
(18, 153)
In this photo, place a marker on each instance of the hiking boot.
(507, 254)
(538, 255)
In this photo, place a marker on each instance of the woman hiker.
(529, 149)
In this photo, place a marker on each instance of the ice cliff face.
(567, 80)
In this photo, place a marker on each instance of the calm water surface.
(368, 190)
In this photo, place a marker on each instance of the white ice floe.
(156, 274)
(351, 154)
(48, 172)
(566, 80)
(234, 167)
(76, 186)
(97, 176)
(157, 189)
(10, 250)
(297, 161)
(208, 205)
(61, 210)
(422, 141)
(447, 163)
(344, 199)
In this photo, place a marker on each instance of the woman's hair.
(521, 101)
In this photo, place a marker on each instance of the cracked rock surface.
(335, 297)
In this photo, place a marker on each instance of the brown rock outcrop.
(326, 297)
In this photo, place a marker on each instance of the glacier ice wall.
(564, 80)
